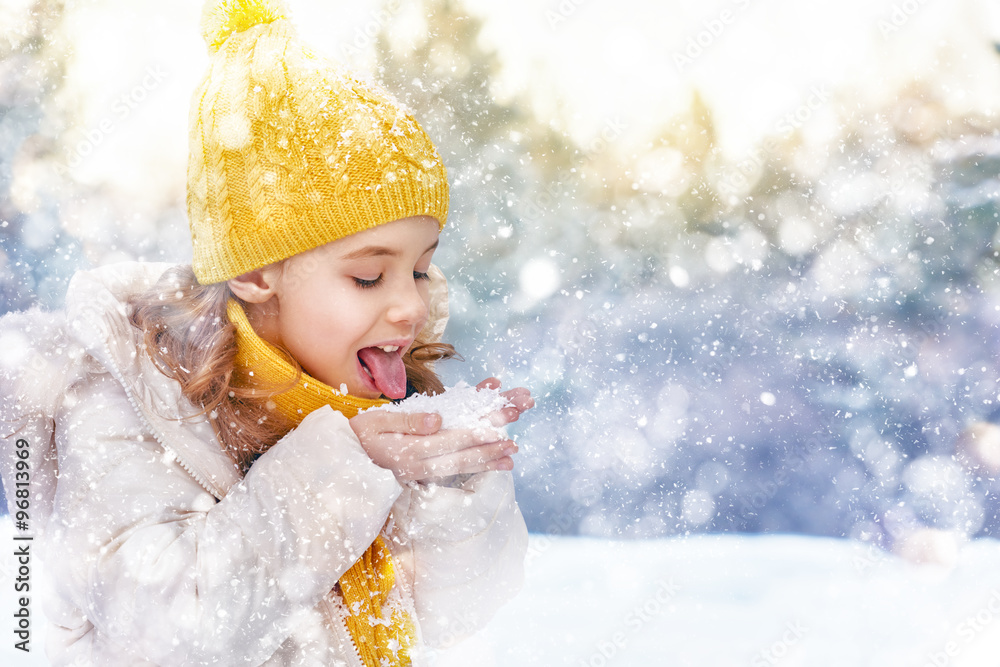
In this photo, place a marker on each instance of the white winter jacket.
(160, 552)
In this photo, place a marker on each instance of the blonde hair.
(190, 339)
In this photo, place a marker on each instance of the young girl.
(200, 482)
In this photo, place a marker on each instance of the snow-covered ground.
(721, 600)
(716, 601)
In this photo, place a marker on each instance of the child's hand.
(413, 446)
(520, 401)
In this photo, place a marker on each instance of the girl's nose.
(408, 305)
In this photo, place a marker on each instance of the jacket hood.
(97, 313)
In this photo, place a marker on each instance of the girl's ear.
(255, 286)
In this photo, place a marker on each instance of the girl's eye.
(417, 275)
(365, 284)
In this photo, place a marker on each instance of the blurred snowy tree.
(36, 256)
(803, 354)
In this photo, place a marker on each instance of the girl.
(220, 500)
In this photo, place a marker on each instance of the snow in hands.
(461, 406)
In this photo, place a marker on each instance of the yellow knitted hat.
(289, 152)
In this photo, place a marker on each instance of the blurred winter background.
(745, 252)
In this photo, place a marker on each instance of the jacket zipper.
(113, 368)
(339, 626)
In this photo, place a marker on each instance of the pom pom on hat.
(222, 18)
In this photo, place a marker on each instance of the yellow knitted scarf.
(383, 636)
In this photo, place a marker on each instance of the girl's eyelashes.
(366, 284)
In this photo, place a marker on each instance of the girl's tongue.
(387, 370)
